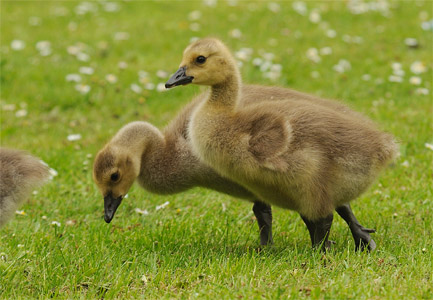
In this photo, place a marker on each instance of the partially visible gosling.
(20, 173)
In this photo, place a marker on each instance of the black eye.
(201, 59)
(114, 177)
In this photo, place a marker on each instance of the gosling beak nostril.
(179, 78)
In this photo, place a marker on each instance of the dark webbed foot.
(363, 240)
(319, 231)
(263, 213)
(361, 235)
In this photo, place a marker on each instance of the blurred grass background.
(375, 56)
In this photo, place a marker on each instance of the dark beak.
(110, 206)
(179, 78)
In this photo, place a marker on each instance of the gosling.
(20, 173)
(293, 154)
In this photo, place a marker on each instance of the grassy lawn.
(203, 244)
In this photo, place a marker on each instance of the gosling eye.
(201, 59)
(114, 177)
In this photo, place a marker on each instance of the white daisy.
(315, 74)
(44, 48)
(274, 7)
(73, 50)
(87, 70)
(136, 88)
(72, 26)
(422, 91)
(396, 66)
(9, 107)
(149, 86)
(53, 173)
(411, 42)
(81, 56)
(244, 54)
(193, 39)
(158, 207)
(194, 26)
(418, 67)
(366, 77)
(300, 7)
(415, 80)
(313, 55)
(18, 45)
(326, 51)
(82, 88)
(257, 61)
(395, 78)
(400, 73)
(162, 74)
(342, 66)
(121, 36)
(265, 66)
(21, 113)
(55, 223)
(73, 137)
(194, 15)
(210, 3)
(71, 222)
(122, 65)
(268, 56)
(34, 21)
(110, 6)
(331, 33)
(272, 75)
(141, 211)
(161, 87)
(111, 78)
(315, 17)
(142, 74)
(235, 33)
(73, 78)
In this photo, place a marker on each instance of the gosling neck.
(227, 92)
(138, 138)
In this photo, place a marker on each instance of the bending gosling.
(294, 154)
(163, 163)
(20, 173)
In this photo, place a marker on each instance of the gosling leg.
(263, 213)
(360, 234)
(319, 231)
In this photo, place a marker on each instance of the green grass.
(193, 248)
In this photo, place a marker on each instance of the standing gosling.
(20, 173)
(294, 154)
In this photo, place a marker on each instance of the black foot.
(361, 235)
(319, 232)
(363, 240)
(263, 213)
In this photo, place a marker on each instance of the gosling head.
(205, 62)
(114, 173)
